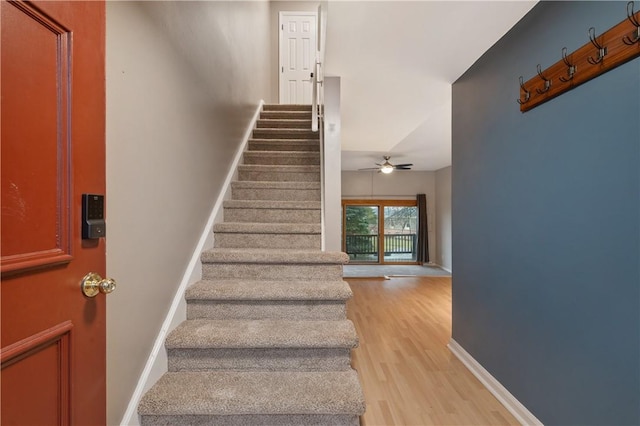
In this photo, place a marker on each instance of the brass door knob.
(93, 283)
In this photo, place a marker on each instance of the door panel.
(35, 213)
(362, 233)
(400, 234)
(37, 370)
(297, 56)
(53, 133)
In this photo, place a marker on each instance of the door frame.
(381, 204)
(280, 69)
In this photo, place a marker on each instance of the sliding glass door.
(361, 233)
(400, 233)
(380, 231)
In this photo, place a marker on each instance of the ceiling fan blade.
(370, 168)
(403, 165)
(402, 168)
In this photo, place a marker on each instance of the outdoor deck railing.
(393, 244)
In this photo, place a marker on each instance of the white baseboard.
(439, 266)
(519, 411)
(156, 364)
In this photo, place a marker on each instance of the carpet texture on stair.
(284, 145)
(282, 158)
(262, 299)
(263, 398)
(204, 334)
(266, 340)
(276, 191)
(270, 211)
(269, 290)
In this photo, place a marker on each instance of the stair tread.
(287, 107)
(286, 115)
(286, 141)
(302, 154)
(277, 146)
(284, 133)
(260, 334)
(273, 256)
(267, 228)
(289, 290)
(280, 168)
(251, 184)
(293, 120)
(242, 392)
(284, 130)
(294, 113)
(272, 204)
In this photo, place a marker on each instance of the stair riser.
(287, 107)
(276, 194)
(252, 271)
(271, 359)
(285, 115)
(246, 240)
(278, 176)
(282, 159)
(258, 310)
(284, 146)
(284, 124)
(271, 216)
(253, 420)
(284, 134)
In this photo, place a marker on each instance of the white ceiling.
(397, 61)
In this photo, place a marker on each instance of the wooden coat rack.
(602, 53)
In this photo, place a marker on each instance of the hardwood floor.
(408, 374)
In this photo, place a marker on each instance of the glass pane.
(361, 233)
(400, 233)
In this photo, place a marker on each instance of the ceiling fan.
(387, 167)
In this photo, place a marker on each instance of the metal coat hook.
(571, 69)
(527, 94)
(547, 82)
(632, 18)
(602, 50)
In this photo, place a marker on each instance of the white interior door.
(298, 41)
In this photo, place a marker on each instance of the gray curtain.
(423, 231)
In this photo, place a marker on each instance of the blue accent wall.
(546, 224)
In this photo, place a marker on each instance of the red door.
(52, 146)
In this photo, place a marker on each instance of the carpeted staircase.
(266, 341)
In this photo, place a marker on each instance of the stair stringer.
(157, 361)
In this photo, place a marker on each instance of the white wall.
(443, 218)
(331, 160)
(183, 80)
(395, 186)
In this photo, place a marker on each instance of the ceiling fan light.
(387, 168)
